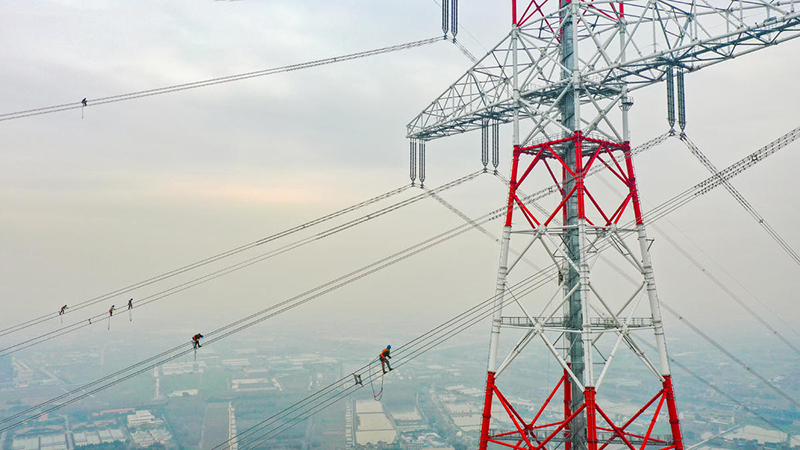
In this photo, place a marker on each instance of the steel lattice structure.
(562, 77)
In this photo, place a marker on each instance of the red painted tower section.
(591, 155)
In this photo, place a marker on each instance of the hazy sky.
(140, 187)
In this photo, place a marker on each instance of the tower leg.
(674, 422)
(591, 418)
(497, 318)
(567, 410)
(487, 411)
(655, 310)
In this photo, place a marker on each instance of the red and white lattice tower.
(562, 78)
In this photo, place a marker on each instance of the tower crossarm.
(621, 47)
(597, 323)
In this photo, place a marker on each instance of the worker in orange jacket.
(384, 356)
(196, 340)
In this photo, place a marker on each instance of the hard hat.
(388, 346)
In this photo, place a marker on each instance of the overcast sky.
(136, 188)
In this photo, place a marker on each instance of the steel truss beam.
(621, 47)
(562, 77)
(584, 420)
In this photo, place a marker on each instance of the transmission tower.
(562, 77)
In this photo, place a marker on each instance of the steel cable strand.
(32, 409)
(269, 434)
(711, 340)
(736, 280)
(273, 310)
(238, 266)
(241, 437)
(99, 318)
(740, 199)
(333, 285)
(287, 419)
(707, 273)
(719, 391)
(298, 418)
(730, 355)
(225, 330)
(182, 287)
(376, 266)
(333, 393)
(728, 291)
(206, 261)
(706, 186)
(422, 339)
(728, 173)
(358, 273)
(316, 407)
(442, 237)
(214, 81)
(690, 191)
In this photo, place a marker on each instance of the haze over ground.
(140, 187)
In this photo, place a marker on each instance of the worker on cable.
(384, 357)
(111, 311)
(196, 341)
(63, 310)
(84, 102)
(130, 304)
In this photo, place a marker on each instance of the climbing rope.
(377, 396)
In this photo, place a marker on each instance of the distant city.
(434, 402)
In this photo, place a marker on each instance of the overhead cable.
(213, 81)
(280, 422)
(730, 355)
(740, 198)
(202, 262)
(235, 267)
(725, 174)
(705, 188)
(701, 189)
(711, 276)
(229, 329)
(719, 391)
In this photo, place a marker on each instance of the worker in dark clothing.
(84, 102)
(196, 341)
(384, 357)
(130, 304)
(111, 311)
(63, 310)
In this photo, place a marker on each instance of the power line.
(251, 320)
(711, 386)
(730, 355)
(740, 198)
(703, 189)
(228, 330)
(203, 262)
(728, 291)
(737, 282)
(236, 267)
(406, 353)
(214, 81)
(709, 275)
